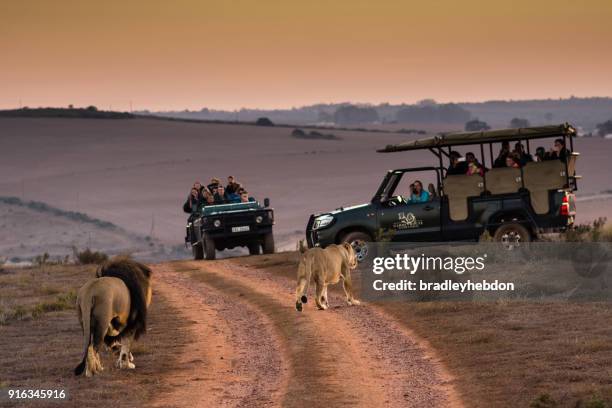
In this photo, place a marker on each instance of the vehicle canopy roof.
(487, 136)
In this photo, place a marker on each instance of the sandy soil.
(353, 356)
(137, 173)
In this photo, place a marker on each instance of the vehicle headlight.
(258, 219)
(217, 223)
(322, 221)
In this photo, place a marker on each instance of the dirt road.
(249, 347)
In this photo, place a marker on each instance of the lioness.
(112, 309)
(325, 266)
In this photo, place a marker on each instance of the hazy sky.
(234, 53)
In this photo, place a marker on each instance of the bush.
(543, 401)
(300, 134)
(62, 302)
(264, 122)
(597, 231)
(89, 257)
(476, 126)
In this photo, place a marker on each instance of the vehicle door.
(411, 222)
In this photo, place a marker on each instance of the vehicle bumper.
(319, 238)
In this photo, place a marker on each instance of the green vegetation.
(89, 257)
(353, 114)
(596, 231)
(65, 301)
(517, 123)
(263, 122)
(476, 125)
(313, 134)
(604, 128)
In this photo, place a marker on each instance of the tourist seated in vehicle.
(222, 197)
(512, 160)
(524, 157)
(559, 151)
(417, 194)
(245, 198)
(458, 165)
(500, 161)
(432, 191)
(199, 186)
(541, 154)
(208, 198)
(214, 183)
(473, 166)
(193, 201)
(232, 185)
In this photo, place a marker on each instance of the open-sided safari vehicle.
(226, 226)
(513, 204)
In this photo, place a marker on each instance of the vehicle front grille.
(243, 219)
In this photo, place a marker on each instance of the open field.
(136, 173)
(224, 333)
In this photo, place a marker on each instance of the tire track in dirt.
(223, 362)
(345, 356)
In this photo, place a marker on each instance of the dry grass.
(41, 342)
(507, 353)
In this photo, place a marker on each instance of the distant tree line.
(89, 112)
(433, 114)
(604, 128)
(355, 115)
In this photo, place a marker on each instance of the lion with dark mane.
(112, 310)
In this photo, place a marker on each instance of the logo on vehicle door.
(407, 220)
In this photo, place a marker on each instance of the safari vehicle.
(513, 204)
(226, 226)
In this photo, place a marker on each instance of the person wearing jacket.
(193, 201)
(419, 195)
(223, 197)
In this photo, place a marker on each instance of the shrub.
(476, 126)
(264, 122)
(597, 231)
(300, 134)
(543, 401)
(62, 302)
(89, 257)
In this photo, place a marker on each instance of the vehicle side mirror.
(266, 202)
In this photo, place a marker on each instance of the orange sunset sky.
(229, 54)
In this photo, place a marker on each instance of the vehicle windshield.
(214, 209)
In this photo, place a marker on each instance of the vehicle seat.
(540, 178)
(571, 164)
(458, 188)
(503, 180)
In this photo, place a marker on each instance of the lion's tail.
(304, 276)
(87, 334)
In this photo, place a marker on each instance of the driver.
(418, 195)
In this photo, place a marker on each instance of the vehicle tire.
(360, 242)
(209, 247)
(512, 235)
(268, 243)
(253, 248)
(198, 251)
